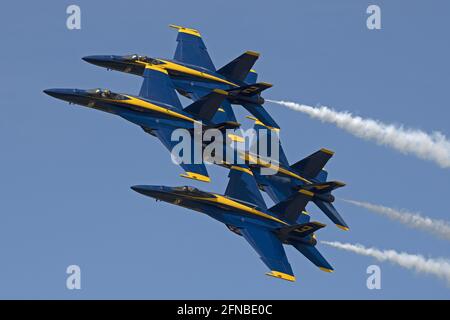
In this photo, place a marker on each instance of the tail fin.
(311, 166)
(322, 176)
(239, 68)
(291, 208)
(252, 77)
(207, 106)
(262, 133)
(224, 113)
(242, 186)
(250, 89)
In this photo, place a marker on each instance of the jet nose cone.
(150, 191)
(139, 189)
(57, 93)
(99, 60)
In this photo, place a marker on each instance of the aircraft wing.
(270, 250)
(192, 170)
(158, 87)
(191, 49)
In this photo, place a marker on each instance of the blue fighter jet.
(157, 110)
(243, 210)
(194, 75)
(307, 175)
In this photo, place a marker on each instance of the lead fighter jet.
(194, 74)
(243, 210)
(157, 110)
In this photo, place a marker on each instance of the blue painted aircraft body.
(157, 110)
(243, 210)
(194, 75)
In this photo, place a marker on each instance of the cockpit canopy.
(105, 93)
(194, 192)
(145, 59)
(186, 188)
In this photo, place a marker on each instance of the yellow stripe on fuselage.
(219, 199)
(262, 163)
(239, 206)
(172, 66)
(168, 65)
(155, 108)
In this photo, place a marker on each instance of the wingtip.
(343, 227)
(196, 176)
(326, 269)
(281, 275)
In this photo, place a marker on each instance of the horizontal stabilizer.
(239, 68)
(324, 187)
(292, 207)
(332, 213)
(311, 166)
(207, 106)
(313, 255)
(300, 230)
(251, 89)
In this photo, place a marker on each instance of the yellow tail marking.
(150, 106)
(186, 30)
(252, 53)
(327, 151)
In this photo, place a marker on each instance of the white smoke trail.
(434, 146)
(436, 227)
(438, 267)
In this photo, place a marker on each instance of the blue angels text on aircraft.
(157, 110)
(194, 75)
(243, 210)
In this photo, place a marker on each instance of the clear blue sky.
(65, 171)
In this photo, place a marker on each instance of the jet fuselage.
(234, 213)
(145, 113)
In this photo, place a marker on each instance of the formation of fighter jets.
(158, 111)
